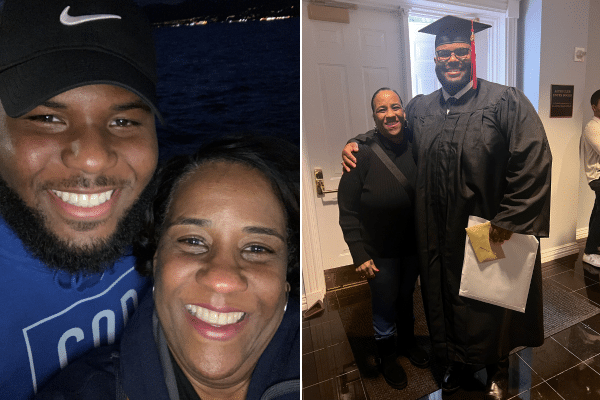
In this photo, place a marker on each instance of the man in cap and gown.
(481, 150)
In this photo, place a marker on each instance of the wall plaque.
(561, 101)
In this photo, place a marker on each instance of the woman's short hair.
(278, 160)
(381, 90)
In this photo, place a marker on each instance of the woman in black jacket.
(377, 219)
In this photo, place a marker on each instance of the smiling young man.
(480, 150)
(78, 150)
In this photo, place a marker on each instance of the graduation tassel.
(473, 67)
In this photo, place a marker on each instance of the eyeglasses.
(460, 53)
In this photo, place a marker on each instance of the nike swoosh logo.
(69, 20)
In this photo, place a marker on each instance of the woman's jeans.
(392, 297)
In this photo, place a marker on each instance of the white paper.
(503, 282)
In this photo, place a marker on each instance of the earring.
(287, 295)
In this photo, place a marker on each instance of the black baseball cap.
(451, 29)
(48, 47)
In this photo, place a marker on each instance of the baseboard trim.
(581, 233)
(557, 252)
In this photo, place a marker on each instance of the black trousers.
(592, 245)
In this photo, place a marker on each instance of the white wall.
(564, 26)
(592, 83)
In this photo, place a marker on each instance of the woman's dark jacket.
(133, 369)
(376, 211)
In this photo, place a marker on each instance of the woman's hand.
(349, 161)
(369, 268)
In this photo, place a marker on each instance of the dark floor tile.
(342, 276)
(520, 376)
(332, 301)
(343, 387)
(592, 293)
(338, 334)
(577, 383)
(593, 322)
(548, 360)
(329, 279)
(540, 392)
(344, 358)
(580, 340)
(554, 269)
(307, 342)
(571, 259)
(309, 370)
(350, 386)
(573, 280)
(327, 363)
(473, 392)
(322, 391)
(354, 295)
(594, 363)
(323, 335)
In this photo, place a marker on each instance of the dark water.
(228, 78)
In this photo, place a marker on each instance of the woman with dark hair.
(377, 218)
(222, 320)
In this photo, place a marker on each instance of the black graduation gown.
(489, 157)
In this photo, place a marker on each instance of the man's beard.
(29, 225)
(453, 87)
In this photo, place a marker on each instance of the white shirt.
(459, 94)
(589, 148)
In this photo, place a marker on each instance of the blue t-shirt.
(49, 318)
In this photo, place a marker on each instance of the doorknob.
(320, 184)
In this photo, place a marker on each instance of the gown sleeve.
(349, 194)
(363, 137)
(525, 205)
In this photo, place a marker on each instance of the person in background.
(480, 150)
(223, 318)
(377, 219)
(589, 147)
(77, 155)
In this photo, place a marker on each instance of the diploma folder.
(503, 282)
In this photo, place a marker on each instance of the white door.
(342, 66)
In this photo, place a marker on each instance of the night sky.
(146, 2)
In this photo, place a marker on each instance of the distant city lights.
(230, 19)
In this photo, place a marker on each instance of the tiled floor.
(567, 366)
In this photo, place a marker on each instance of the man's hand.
(369, 268)
(349, 161)
(499, 235)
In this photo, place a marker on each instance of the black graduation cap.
(451, 29)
